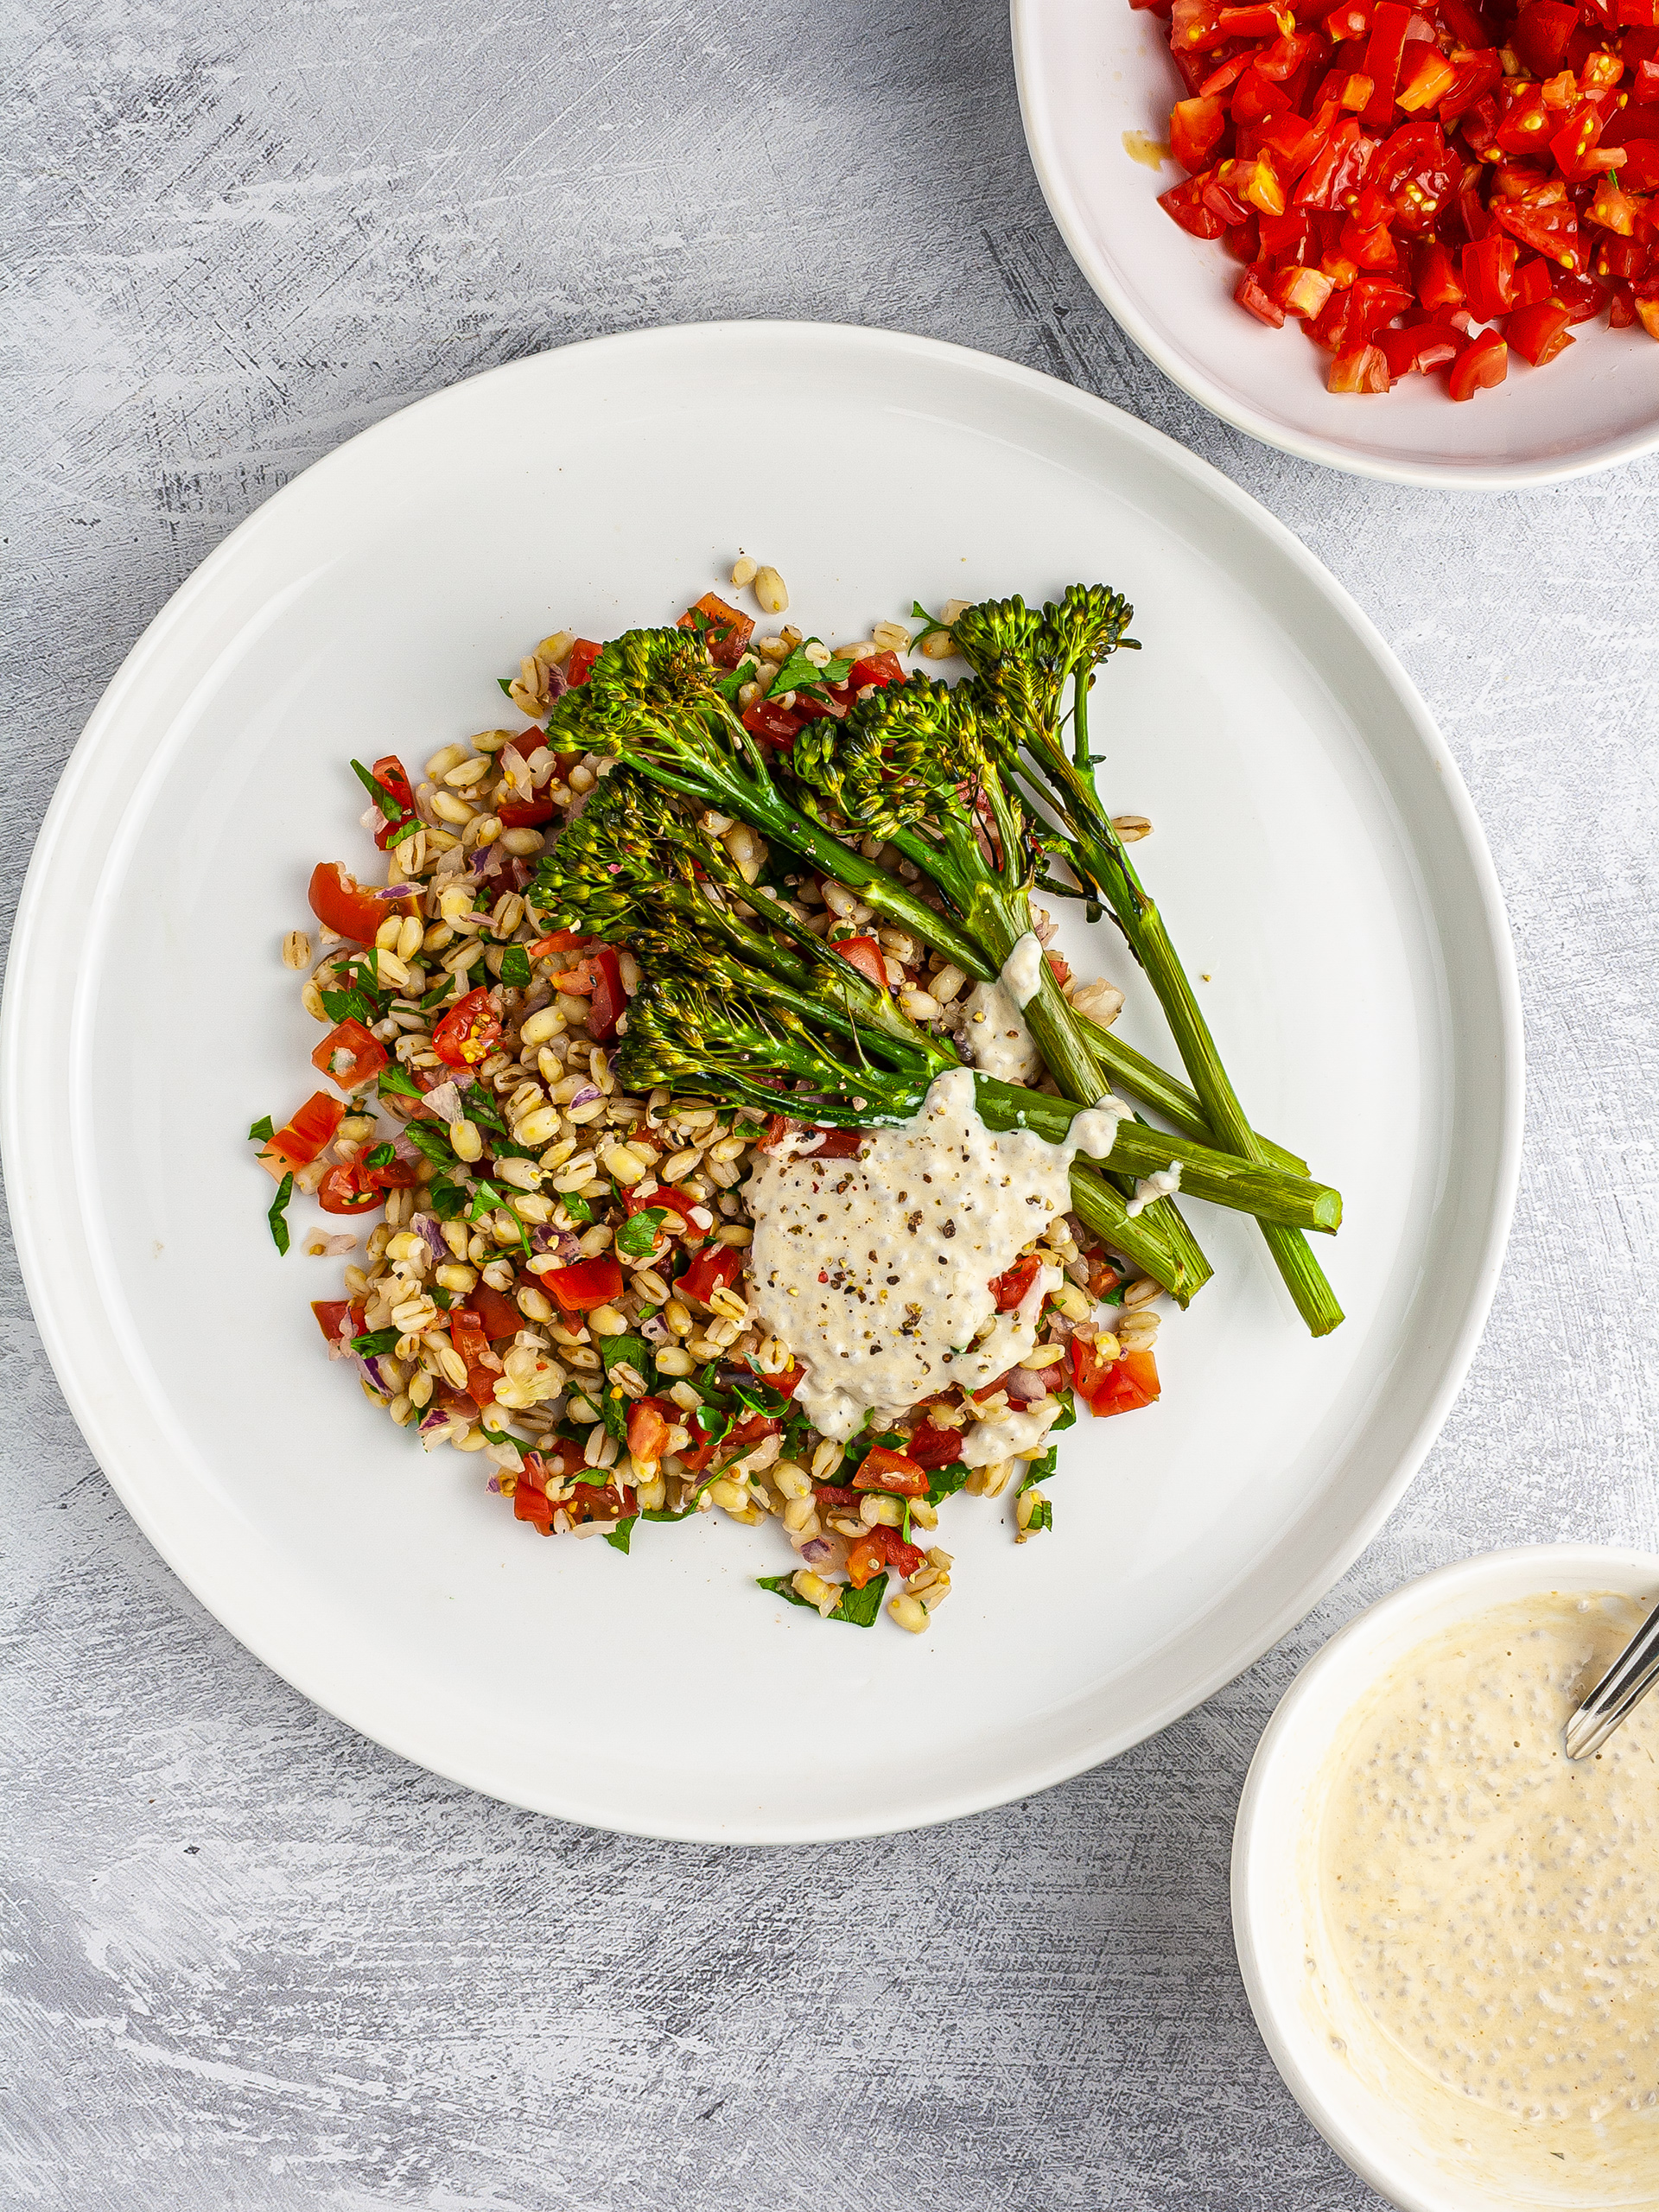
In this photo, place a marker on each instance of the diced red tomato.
(584, 1284)
(560, 941)
(882, 1468)
(776, 726)
(1483, 363)
(882, 1549)
(1196, 129)
(666, 1199)
(1186, 204)
(726, 632)
(302, 1136)
(1539, 33)
(1118, 1386)
(579, 666)
(1009, 1289)
(498, 1315)
(748, 1432)
(525, 813)
(350, 1056)
(932, 1447)
(609, 1001)
(649, 1422)
(349, 1189)
(716, 1268)
(1253, 294)
(1364, 370)
(1489, 276)
(331, 1312)
(1539, 331)
(879, 668)
(864, 954)
(1420, 346)
(468, 1032)
(391, 774)
(353, 910)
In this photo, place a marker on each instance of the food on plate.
(1485, 1951)
(732, 1133)
(1425, 188)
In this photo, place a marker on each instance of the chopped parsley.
(262, 1131)
(515, 966)
(797, 673)
(278, 1215)
(860, 1608)
(394, 1083)
(637, 1237)
(377, 1341)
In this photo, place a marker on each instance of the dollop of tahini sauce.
(1493, 1906)
(877, 1271)
(994, 1032)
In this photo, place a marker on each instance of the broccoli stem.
(1107, 865)
(1163, 1249)
(1223, 1179)
(1145, 1080)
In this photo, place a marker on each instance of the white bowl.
(1091, 70)
(1278, 1815)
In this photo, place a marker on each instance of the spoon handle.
(1631, 1675)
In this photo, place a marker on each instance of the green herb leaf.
(278, 1215)
(378, 792)
(859, 1608)
(429, 1138)
(393, 1083)
(800, 674)
(437, 995)
(760, 1397)
(1042, 1516)
(576, 1206)
(377, 1340)
(447, 1200)
(505, 682)
(382, 1156)
(515, 967)
(350, 1006)
(637, 1237)
(730, 685)
(619, 1537)
(1067, 1416)
(946, 1482)
(441, 1297)
(1040, 1470)
(262, 1131)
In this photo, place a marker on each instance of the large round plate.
(1092, 70)
(1315, 852)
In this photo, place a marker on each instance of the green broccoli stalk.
(1022, 663)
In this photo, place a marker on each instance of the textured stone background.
(253, 1961)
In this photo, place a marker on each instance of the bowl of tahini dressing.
(1448, 1930)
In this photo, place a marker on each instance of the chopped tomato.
(389, 773)
(468, 1032)
(725, 631)
(584, 1284)
(879, 668)
(1421, 345)
(1365, 369)
(348, 1189)
(1118, 1386)
(1485, 362)
(497, 1313)
(525, 813)
(748, 1432)
(778, 726)
(864, 954)
(1009, 1289)
(350, 1056)
(881, 1549)
(596, 1502)
(352, 910)
(711, 1270)
(609, 1001)
(837, 1144)
(1196, 129)
(649, 1422)
(1539, 333)
(666, 1199)
(1539, 34)
(302, 1136)
(883, 1469)
(331, 1312)
(933, 1447)
(579, 666)
(559, 941)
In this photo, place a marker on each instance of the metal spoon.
(1629, 1678)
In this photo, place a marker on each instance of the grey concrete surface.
(251, 1961)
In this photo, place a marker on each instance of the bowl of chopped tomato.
(1416, 242)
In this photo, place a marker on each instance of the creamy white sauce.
(1015, 1437)
(994, 1035)
(1162, 1183)
(877, 1271)
(1022, 971)
(1488, 1909)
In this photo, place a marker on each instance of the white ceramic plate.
(1316, 854)
(1091, 70)
(1273, 1844)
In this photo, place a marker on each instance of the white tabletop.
(254, 1961)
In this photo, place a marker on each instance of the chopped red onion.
(371, 1367)
(444, 1099)
(585, 1096)
(432, 1229)
(1027, 1384)
(654, 1329)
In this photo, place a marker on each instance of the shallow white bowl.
(1272, 1908)
(1089, 71)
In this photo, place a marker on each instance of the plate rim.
(1042, 147)
(32, 1232)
